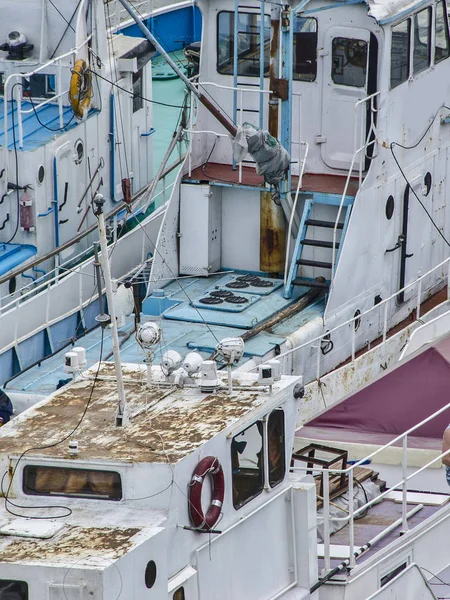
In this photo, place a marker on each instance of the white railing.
(14, 81)
(194, 102)
(368, 314)
(363, 144)
(116, 14)
(51, 278)
(349, 472)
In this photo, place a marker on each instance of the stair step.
(314, 263)
(310, 283)
(319, 243)
(320, 223)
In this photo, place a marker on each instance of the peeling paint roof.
(167, 423)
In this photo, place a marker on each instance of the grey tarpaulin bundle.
(272, 160)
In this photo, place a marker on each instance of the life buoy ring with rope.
(80, 90)
(212, 467)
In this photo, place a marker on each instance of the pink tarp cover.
(400, 399)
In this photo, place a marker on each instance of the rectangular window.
(247, 464)
(422, 40)
(305, 49)
(276, 447)
(390, 576)
(248, 47)
(349, 62)
(441, 49)
(81, 483)
(13, 590)
(138, 88)
(400, 45)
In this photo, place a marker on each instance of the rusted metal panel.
(273, 235)
(72, 543)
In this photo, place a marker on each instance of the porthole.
(79, 152)
(389, 207)
(12, 285)
(150, 574)
(357, 321)
(427, 183)
(41, 174)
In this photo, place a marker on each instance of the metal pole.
(121, 413)
(405, 484)
(326, 519)
(261, 65)
(351, 522)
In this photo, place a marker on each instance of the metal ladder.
(306, 237)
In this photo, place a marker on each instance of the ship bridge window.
(13, 590)
(400, 45)
(349, 62)
(81, 483)
(305, 49)
(138, 90)
(441, 49)
(422, 40)
(247, 464)
(276, 447)
(248, 46)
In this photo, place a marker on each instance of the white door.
(346, 54)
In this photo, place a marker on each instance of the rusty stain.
(73, 542)
(173, 427)
(273, 72)
(272, 235)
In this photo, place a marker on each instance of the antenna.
(121, 413)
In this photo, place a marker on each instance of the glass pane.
(349, 62)
(276, 447)
(400, 53)
(248, 43)
(422, 28)
(49, 481)
(246, 464)
(179, 594)
(138, 101)
(13, 590)
(305, 49)
(441, 49)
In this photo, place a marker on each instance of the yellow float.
(80, 90)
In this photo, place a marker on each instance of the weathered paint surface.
(72, 543)
(184, 418)
(273, 235)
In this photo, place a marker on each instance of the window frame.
(24, 584)
(276, 481)
(443, 3)
(229, 59)
(297, 76)
(29, 492)
(416, 39)
(261, 429)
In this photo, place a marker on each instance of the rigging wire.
(391, 147)
(16, 158)
(68, 511)
(69, 24)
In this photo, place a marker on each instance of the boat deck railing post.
(405, 483)
(326, 518)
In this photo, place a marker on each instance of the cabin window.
(441, 49)
(13, 590)
(305, 49)
(276, 447)
(400, 45)
(247, 464)
(179, 594)
(349, 62)
(81, 483)
(422, 43)
(249, 27)
(138, 88)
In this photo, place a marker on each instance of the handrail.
(294, 206)
(352, 320)
(350, 472)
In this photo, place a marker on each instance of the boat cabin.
(191, 499)
(73, 123)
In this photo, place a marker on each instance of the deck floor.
(311, 182)
(379, 517)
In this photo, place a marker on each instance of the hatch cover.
(31, 528)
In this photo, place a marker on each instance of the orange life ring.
(212, 467)
(80, 90)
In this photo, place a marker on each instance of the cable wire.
(68, 511)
